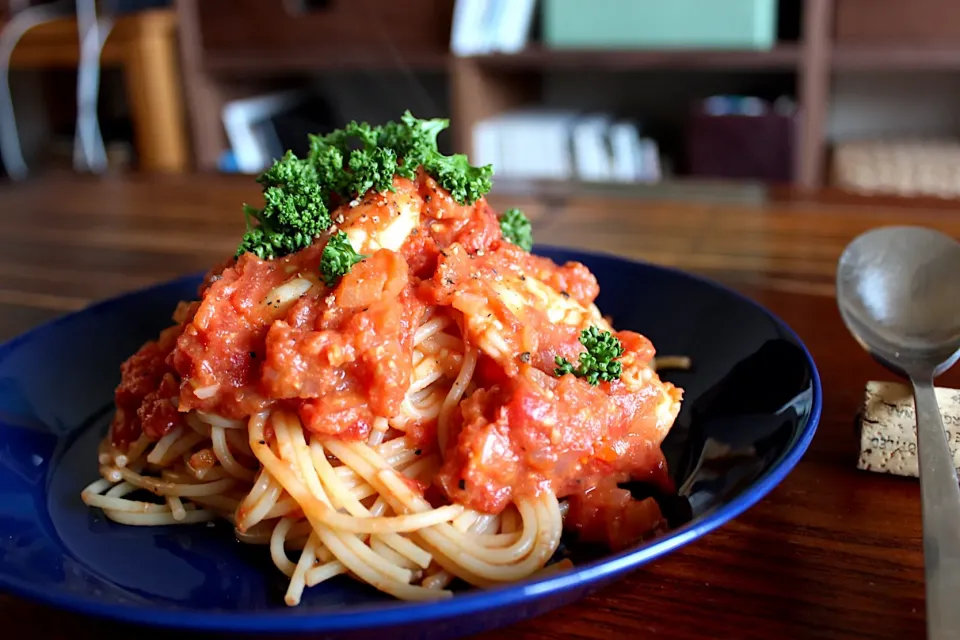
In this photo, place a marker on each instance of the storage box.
(742, 147)
(659, 24)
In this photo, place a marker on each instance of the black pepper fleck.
(417, 452)
(525, 356)
(565, 294)
(253, 354)
(263, 442)
(523, 278)
(427, 198)
(448, 281)
(463, 483)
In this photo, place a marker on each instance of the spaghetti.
(405, 426)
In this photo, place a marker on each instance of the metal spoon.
(898, 289)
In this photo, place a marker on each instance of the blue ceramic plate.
(752, 402)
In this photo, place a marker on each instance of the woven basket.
(899, 167)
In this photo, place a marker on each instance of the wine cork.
(888, 428)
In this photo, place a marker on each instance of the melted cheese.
(667, 409)
(384, 224)
(518, 293)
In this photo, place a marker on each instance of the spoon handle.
(941, 516)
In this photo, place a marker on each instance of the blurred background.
(861, 95)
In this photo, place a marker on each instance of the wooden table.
(831, 552)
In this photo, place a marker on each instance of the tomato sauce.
(139, 398)
(538, 432)
(342, 356)
(608, 514)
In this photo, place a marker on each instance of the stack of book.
(541, 144)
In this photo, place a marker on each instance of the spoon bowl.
(898, 289)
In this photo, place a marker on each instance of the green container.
(659, 24)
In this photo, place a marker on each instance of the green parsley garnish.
(294, 211)
(360, 157)
(338, 258)
(415, 143)
(344, 165)
(349, 161)
(599, 361)
(516, 228)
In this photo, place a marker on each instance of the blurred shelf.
(278, 62)
(846, 57)
(235, 43)
(784, 56)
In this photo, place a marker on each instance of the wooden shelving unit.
(785, 56)
(483, 86)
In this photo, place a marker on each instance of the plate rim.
(476, 601)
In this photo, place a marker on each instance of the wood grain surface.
(831, 553)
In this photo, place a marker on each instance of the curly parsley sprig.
(360, 157)
(599, 361)
(338, 258)
(343, 165)
(516, 228)
(294, 212)
(349, 161)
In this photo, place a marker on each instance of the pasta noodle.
(410, 440)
